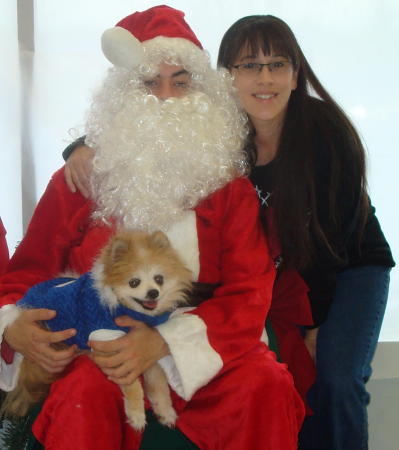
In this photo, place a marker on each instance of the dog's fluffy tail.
(33, 386)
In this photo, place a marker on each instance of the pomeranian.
(137, 273)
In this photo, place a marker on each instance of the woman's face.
(264, 91)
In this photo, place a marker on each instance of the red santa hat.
(124, 45)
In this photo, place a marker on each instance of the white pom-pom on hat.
(121, 48)
(122, 45)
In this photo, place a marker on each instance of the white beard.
(156, 159)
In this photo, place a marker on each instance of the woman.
(308, 164)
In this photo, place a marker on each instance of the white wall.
(352, 45)
(10, 180)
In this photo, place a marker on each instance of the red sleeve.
(43, 252)
(3, 249)
(235, 316)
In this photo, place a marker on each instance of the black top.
(373, 248)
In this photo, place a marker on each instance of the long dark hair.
(308, 121)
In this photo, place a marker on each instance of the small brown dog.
(141, 272)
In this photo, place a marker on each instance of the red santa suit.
(229, 391)
(289, 313)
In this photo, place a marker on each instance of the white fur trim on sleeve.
(193, 362)
(9, 372)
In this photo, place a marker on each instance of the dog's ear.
(160, 240)
(118, 247)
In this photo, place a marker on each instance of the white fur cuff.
(8, 315)
(193, 361)
(9, 372)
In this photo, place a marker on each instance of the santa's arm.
(43, 252)
(41, 255)
(231, 323)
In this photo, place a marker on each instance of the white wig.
(155, 159)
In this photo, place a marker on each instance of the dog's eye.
(158, 279)
(134, 282)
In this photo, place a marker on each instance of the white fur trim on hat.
(176, 51)
(121, 48)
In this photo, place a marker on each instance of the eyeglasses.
(253, 68)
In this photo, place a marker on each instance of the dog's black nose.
(152, 294)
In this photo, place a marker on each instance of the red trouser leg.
(84, 411)
(251, 404)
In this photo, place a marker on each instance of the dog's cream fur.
(144, 273)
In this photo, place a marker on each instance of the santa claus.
(168, 137)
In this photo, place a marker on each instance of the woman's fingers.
(78, 169)
(69, 179)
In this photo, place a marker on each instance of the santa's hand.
(26, 336)
(78, 169)
(125, 359)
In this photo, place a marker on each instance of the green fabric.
(160, 437)
(33, 444)
(16, 434)
(273, 343)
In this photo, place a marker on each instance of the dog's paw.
(135, 416)
(168, 417)
(136, 419)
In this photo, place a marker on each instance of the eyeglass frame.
(261, 65)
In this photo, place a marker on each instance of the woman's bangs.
(271, 42)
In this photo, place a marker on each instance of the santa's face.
(165, 138)
(171, 81)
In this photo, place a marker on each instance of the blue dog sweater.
(79, 306)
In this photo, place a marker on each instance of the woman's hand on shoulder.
(78, 169)
(27, 337)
